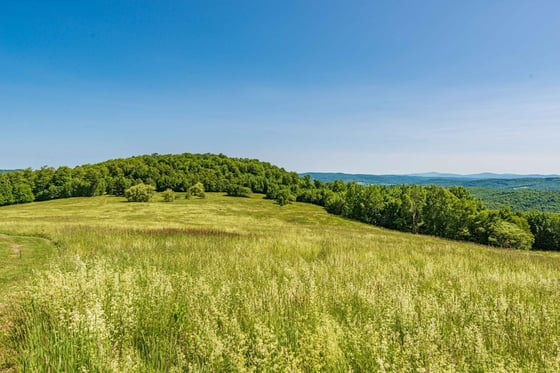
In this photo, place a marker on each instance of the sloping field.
(221, 284)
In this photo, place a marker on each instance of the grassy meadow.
(242, 284)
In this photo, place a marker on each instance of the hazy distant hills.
(484, 175)
(483, 180)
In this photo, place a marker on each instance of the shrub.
(335, 204)
(238, 191)
(284, 196)
(197, 190)
(272, 191)
(139, 193)
(168, 195)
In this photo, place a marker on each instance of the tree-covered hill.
(519, 199)
(177, 172)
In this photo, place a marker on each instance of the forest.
(449, 212)
(519, 199)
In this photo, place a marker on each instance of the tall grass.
(233, 284)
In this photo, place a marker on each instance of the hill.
(481, 176)
(519, 199)
(226, 283)
(540, 182)
(174, 171)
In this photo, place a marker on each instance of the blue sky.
(350, 86)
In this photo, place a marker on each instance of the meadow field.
(242, 284)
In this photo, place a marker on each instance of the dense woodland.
(434, 210)
(519, 199)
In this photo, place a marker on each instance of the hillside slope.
(228, 283)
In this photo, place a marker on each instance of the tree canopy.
(177, 172)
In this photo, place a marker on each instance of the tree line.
(451, 213)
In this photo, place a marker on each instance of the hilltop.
(174, 171)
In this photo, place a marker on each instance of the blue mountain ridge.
(483, 180)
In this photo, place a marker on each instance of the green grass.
(226, 284)
(19, 256)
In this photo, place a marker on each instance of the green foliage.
(546, 230)
(285, 196)
(519, 199)
(6, 192)
(335, 204)
(237, 190)
(197, 190)
(139, 193)
(450, 213)
(438, 211)
(175, 171)
(168, 195)
(509, 235)
(23, 193)
(15, 188)
(118, 185)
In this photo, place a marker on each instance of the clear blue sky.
(353, 86)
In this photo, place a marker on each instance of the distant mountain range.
(484, 175)
(483, 180)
